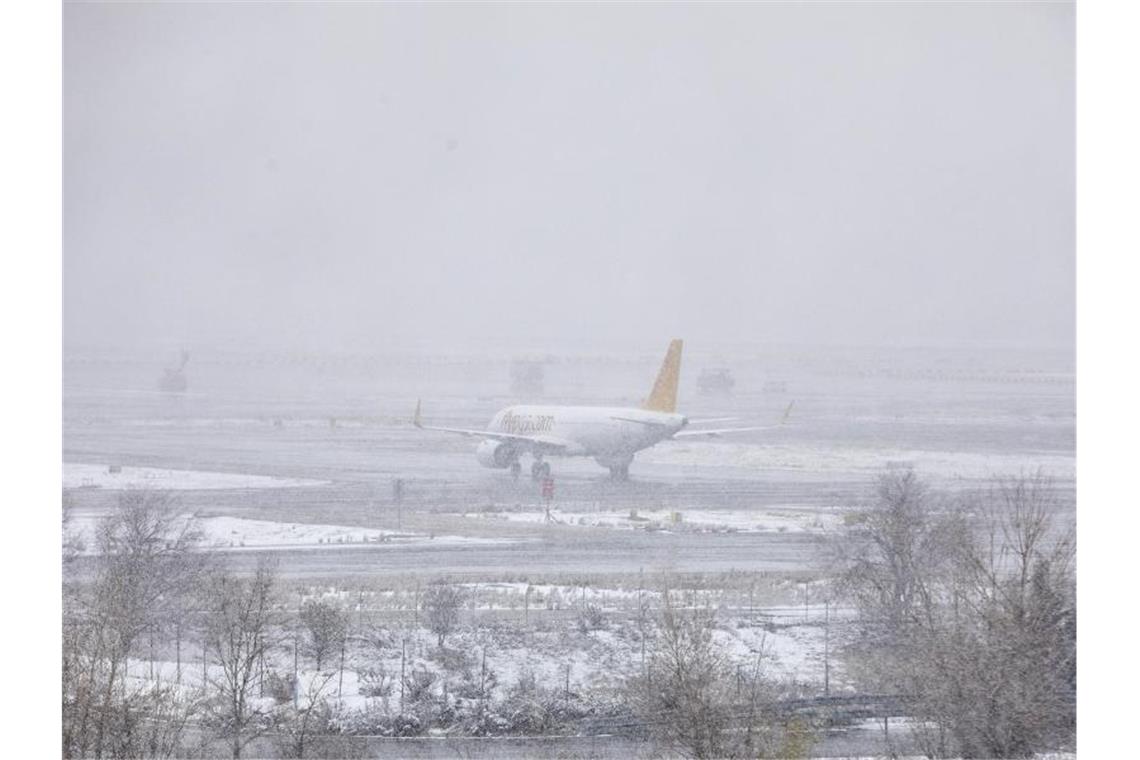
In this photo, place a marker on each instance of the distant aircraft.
(610, 435)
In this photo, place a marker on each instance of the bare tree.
(309, 720)
(685, 695)
(892, 556)
(974, 624)
(1004, 678)
(327, 625)
(153, 719)
(73, 544)
(441, 604)
(142, 567)
(241, 624)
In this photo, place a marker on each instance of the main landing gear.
(516, 469)
(539, 470)
(618, 466)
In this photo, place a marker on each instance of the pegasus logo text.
(524, 424)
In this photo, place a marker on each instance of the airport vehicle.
(717, 381)
(610, 435)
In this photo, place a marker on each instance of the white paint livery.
(609, 435)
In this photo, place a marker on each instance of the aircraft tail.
(663, 397)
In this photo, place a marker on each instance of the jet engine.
(496, 454)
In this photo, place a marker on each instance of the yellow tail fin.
(663, 397)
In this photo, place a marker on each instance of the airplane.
(610, 435)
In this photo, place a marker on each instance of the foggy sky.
(305, 175)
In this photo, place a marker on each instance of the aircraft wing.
(541, 443)
(717, 432)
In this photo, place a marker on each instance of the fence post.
(178, 650)
(340, 680)
(827, 648)
(483, 677)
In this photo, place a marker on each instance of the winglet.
(663, 397)
(787, 412)
(416, 417)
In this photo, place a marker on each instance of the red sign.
(548, 488)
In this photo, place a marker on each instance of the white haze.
(372, 176)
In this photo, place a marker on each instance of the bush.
(591, 618)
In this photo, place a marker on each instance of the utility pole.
(398, 497)
(641, 618)
(205, 624)
(752, 701)
(296, 647)
(340, 680)
(827, 648)
(403, 655)
(483, 678)
(178, 650)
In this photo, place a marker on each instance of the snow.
(792, 520)
(100, 476)
(597, 660)
(226, 532)
(833, 459)
(264, 534)
(787, 653)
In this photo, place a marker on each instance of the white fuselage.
(611, 435)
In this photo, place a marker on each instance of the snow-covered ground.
(598, 660)
(225, 532)
(831, 459)
(101, 476)
(788, 638)
(699, 520)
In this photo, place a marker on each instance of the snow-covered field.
(693, 520)
(833, 459)
(595, 661)
(225, 532)
(102, 476)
